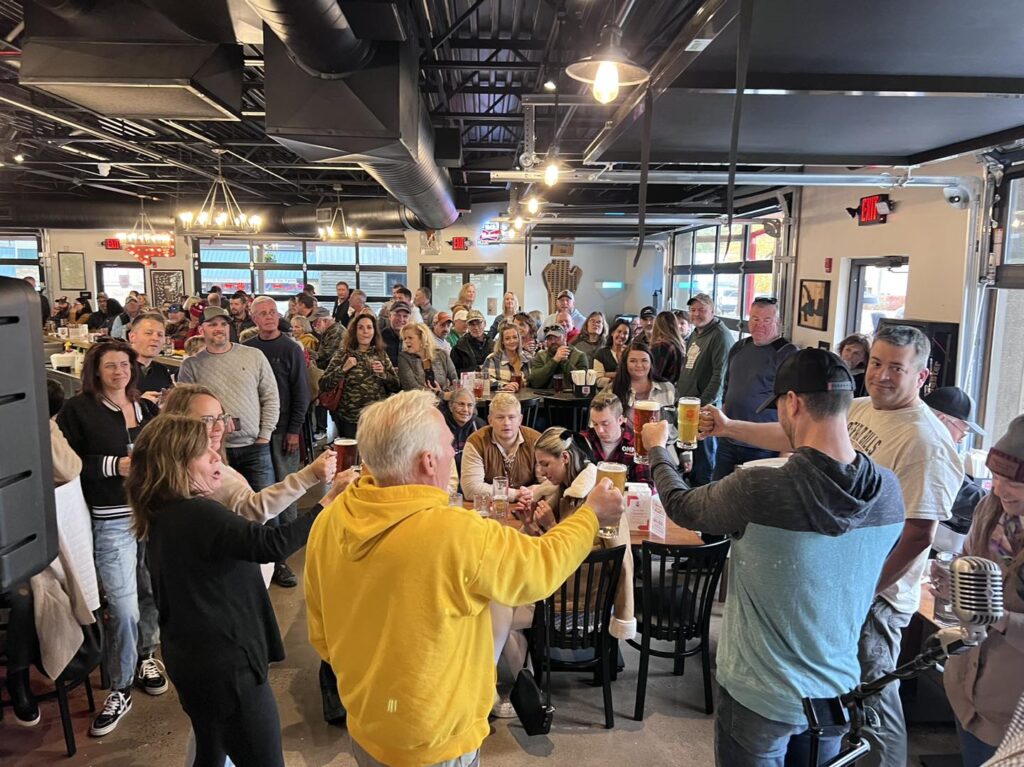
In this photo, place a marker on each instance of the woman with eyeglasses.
(607, 358)
(101, 425)
(592, 338)
(218, 625)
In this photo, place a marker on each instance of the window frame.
(40, 274)
(855, 289)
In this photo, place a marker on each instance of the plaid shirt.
(623, 453)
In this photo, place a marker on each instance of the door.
(117, 279)
(878, 289)
(446, 280)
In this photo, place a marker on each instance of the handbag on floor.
(532, 705)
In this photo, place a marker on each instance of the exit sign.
(459, 243)
(874, 210)
(112, 243)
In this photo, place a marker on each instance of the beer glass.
(478, 385)
(644, 411)
(517, 379)
(689, 421)
(556, 383)
(499, 500)
(348, 453)
(616, 472)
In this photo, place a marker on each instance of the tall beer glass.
(644, 411)
(689, 421)
(348, 453)
(616, 472)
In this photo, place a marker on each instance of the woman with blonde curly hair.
(421, 365)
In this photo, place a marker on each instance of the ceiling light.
(551, 172)
(533, 205)
(549, 85)
(144, 242)
(19, 158)
(608, 68)
(518, 223)
(220, 212)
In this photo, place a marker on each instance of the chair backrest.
(581, 608)
(677, 588)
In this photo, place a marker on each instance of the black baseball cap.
(647, 312)
(955, 403)
(809, 371)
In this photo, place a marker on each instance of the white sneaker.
(503, 708)
(117, 705)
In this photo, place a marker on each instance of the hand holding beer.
(325, 466)
(378, 367)
(713, 422)
(607, 502)
(644, 411)
(616, 473)
(562, 354)
(689, 421)
(655, 434)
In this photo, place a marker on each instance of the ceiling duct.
(128, 60)
(373, 116)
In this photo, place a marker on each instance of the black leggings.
(250, 733)
(22, 642)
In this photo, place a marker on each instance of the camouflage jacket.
(362, 386)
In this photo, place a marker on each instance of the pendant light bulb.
(518, 223)
(551, 173)
(533, 205)
(606, 83)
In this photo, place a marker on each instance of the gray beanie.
(1006, 458)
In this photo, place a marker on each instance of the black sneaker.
(118, 703)
(284, 576)
(149, 675)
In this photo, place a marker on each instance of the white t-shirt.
(915, 445)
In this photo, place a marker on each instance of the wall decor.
(812, 304)
(71, 270)
(168, 286)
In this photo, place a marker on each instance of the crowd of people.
(192, 480)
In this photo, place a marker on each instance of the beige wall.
(923, 227)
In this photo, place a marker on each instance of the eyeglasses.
(770, 300)
(209, 421)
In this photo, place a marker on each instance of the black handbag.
(533, 707)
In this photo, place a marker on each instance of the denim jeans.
(973, 751)
(744, 738)
(731, 454)
(879, 651)
(254, 463)
(363, 759)
(149, 616)
(284, 464)
(703, 461)
(117, 553)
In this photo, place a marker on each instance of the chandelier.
(220, 212)
(335, 229)
(143, 242)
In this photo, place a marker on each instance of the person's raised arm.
(916, 537)
(768, 436)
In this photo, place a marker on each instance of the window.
(878, 289)
(733, 267)
(281, 268)
(19, 258)
(1010, 272)
(445, 281)
(117, 279)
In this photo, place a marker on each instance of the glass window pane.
(883, 294)
(1015, 227)
(224, 251)
(325, 281)
(230, 280)
(735, 243)
(19, 271)
(684, 249)
(376, 306)
(701, 283)
(21, 249)
(727, 295)
(379, 284)
(285, 252)
(755, 285)
(118, 281)
(490, 290)
(331, 253)
(383, 254)
(762, 245)
(704, 245)
(279, 281)
(681, 290)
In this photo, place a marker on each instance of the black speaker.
(28, 519)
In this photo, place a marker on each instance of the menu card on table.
(657, 519)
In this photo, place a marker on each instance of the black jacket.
(469, 354)
(392, 344)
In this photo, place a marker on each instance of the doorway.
(117, 279)
(445, 281)
(878, 289)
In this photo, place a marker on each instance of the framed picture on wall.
(168, 286)
(71, 270)
(812, 304)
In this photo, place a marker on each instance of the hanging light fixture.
(609, 67)
(220, 212)
(338, 229)
(533, 205)
(552, 170)
(144, 242)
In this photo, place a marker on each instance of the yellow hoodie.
(397, 588)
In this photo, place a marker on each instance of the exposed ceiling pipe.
(620, 221)
(709, 178)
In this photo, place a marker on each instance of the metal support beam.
(479, 117)
(899, 86)
(497, 66)
(440, 40)
(620, 221)
(577, 100)
(483, 44)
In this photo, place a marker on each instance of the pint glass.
(616, 472)
(644, 411)
(348, 453)
(689, 420)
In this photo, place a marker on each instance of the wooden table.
(85, 345)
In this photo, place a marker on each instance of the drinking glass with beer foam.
(689, 422)
(644, 411)
(347, 451)
(616, 472)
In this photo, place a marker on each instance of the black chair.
(576, 617)
(673, 604)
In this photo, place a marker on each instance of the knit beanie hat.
(1006, 458)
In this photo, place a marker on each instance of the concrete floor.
(675, 730)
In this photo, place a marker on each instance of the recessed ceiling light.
(698, 44)
(550, 85)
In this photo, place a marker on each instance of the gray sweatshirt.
(244, 383)
(703, 373)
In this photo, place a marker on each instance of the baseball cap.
(647, 312)
(1006, 458)
(401, 306)
(174, 308)
(809, 371)
(320, 313)
(461, 314)
(554, 330)
(566, 294)
(955, 403)
(704, 298)
(475, 316)
(211, 313)
(442, 317)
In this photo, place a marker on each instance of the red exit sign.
(874, 210)
(459, 243)
(112, 243)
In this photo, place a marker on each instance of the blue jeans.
(116, 551)
(747, 739)
(879, 652)
(731, 454)
(284, 464)
(703, 462)
(149, 616)
(973, 751)
(254, 463)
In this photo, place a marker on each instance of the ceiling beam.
(497, 66)
(483, 44)
(901, 86)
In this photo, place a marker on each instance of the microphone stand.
(849, 707)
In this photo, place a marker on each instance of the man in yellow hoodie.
(398, 584)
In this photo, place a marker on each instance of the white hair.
(505, 401)
(393, 433)
(261, 300)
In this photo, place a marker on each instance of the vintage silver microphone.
(977, 596)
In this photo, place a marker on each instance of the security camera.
(957, 196)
